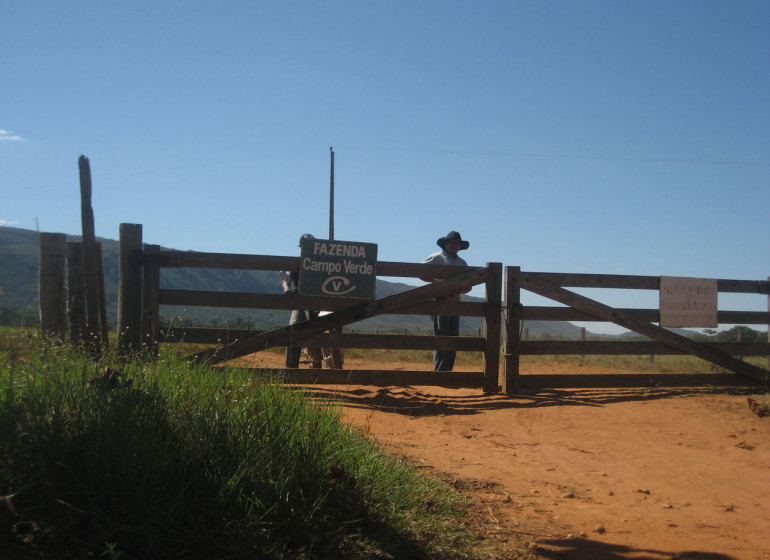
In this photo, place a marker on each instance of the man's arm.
(430, 260)
(285, 281)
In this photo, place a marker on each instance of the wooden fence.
(140, 297)
(71, 291)
(641, 321)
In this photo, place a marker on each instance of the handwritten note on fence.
(688, 302)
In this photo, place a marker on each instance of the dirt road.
(589, 474)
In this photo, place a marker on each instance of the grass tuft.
(169, 460)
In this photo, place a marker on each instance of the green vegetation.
(160, 460)
(630, 363)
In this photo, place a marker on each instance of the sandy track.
(589, 474)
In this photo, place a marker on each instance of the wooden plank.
(101, 294)
(744, 286)
(540, 382)
(600, 280)
(643, 282)
(384, 378)
(91, 258)
(204, 335)
(193, 259)
(129, 289)
(640, 348)
(244, 300)
(540, 313)
(208, 298)
(534, 283)
(295, 333)
(230, 261)
(76, 293)
(492, 327)
(50, 288)
(399, 269)
(513, 326)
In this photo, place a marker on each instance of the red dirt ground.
(593, 474)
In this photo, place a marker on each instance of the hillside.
(18, 292)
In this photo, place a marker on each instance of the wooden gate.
(663, 341)
(140, 297)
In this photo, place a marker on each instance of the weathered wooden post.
(493, 286)
(94, 279)
(513, 313)
(50, 288)
(76, 293)
(129, 290)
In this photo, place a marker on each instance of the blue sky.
(600, 136)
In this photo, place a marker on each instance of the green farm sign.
(337, 268)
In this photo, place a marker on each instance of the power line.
(218, 163)
(562, 156)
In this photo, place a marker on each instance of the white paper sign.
(688, 302)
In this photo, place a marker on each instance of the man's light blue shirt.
(442, 257)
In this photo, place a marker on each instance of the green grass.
(642, 364)
(635, 363)
(166, 460)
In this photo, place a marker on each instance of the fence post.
(129, 289)
(492, 327)
(768, 324)
(151, 303)
(50, 287)
(513, 321)
(94, 279)
(76, 293)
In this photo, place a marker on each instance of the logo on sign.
(337, 286)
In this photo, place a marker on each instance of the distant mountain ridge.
(19, 259)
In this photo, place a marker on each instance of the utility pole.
(331, 195)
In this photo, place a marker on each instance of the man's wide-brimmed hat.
(453, 236)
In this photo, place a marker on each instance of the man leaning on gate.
(451, 244)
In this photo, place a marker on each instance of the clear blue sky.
(601, 136)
